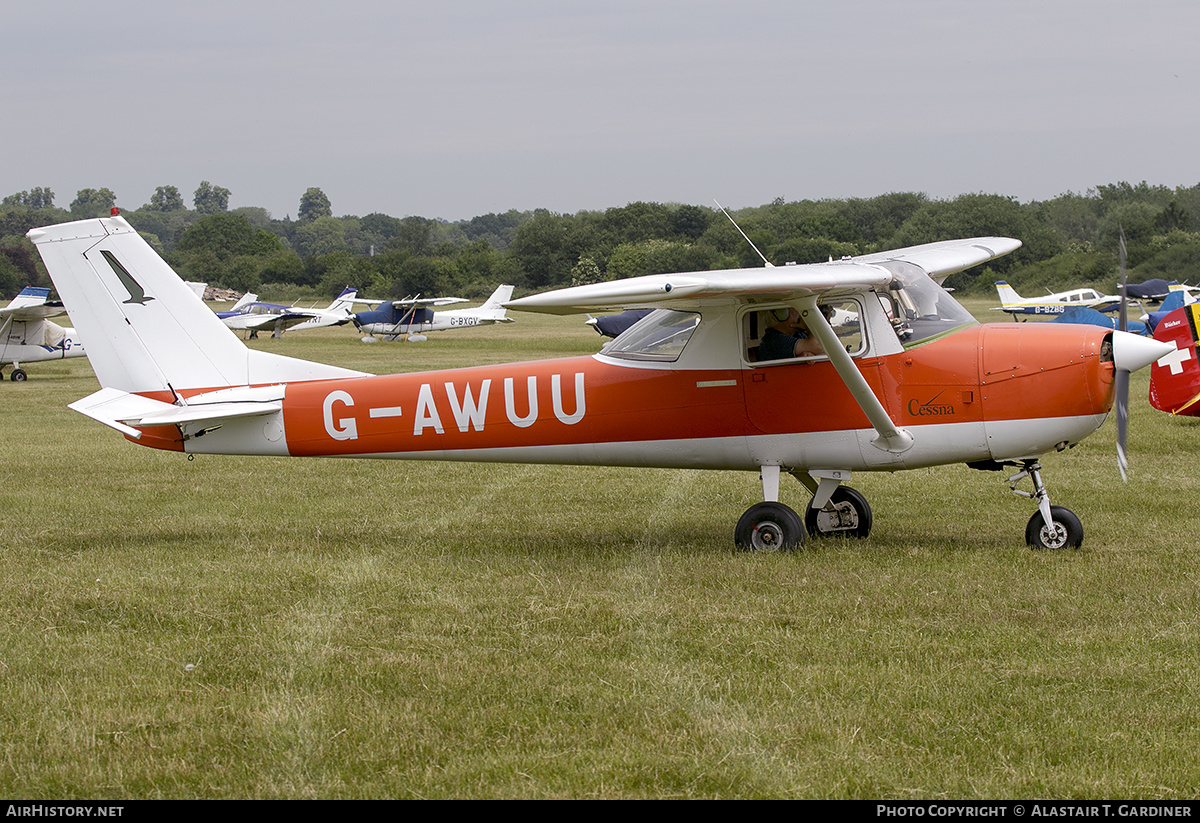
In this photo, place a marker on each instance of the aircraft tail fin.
(499, 297)
(1177, 297)
(144, 328)
(1175, 378)
(30, 296)
(493, 308)
(1008, 295)
(245, 300)
(344, 302)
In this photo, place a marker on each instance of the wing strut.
(890, 437)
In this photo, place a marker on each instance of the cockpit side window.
(777, 334)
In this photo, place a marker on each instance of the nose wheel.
(1051, 527)
(1063, 531)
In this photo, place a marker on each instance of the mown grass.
(267, 628)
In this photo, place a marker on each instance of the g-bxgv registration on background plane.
(27, 336)
(413, 316)
(915, 382)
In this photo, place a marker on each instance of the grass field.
(231, 627)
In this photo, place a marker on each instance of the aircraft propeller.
(1122, 377)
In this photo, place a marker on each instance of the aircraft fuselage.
(994, 392)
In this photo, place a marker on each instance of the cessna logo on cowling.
(466, 408)
(931, 408)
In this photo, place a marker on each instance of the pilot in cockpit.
(789, 336)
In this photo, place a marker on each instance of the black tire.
(18, 376)
(1066, 531)
(851, 516)
(769, 527)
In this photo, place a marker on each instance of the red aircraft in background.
(892, 374)
(1175, 377)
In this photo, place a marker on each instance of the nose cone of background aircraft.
(1133, 351)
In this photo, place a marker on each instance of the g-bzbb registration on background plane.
(912, 380)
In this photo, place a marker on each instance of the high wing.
(947, 257)
(419, 301)
(33, 303)
(694, 289)
(801, 284)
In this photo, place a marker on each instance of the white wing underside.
(938, 260)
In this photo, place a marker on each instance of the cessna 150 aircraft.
(413, 317)
(918, 383)
(27, 336)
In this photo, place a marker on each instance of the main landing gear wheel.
(18, 376)
(769, 527)
(1063, 532)
(850, 517)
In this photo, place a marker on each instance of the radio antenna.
(769, 264)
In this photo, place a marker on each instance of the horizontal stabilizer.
(123, 411)
(112, 406)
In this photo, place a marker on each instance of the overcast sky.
(454, 108)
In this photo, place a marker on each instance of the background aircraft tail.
(1008, 295)
(29, 297)
(495, 303)
(146, 331)
(344, 302)
(245, 300)
(1177, 297)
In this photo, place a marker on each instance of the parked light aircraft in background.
(1014, 304)
(1177, 297)
(27, 336)
(250, 315)
(413, 317)
(686, 387)
(1154, 290)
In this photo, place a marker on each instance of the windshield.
(918, 307)
(660, 335)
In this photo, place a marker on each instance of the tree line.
(1069, 241)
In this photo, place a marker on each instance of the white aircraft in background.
(412, 316)
(1014, 304)
(27, 336)
(248, 314)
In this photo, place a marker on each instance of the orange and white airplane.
(914, 381)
